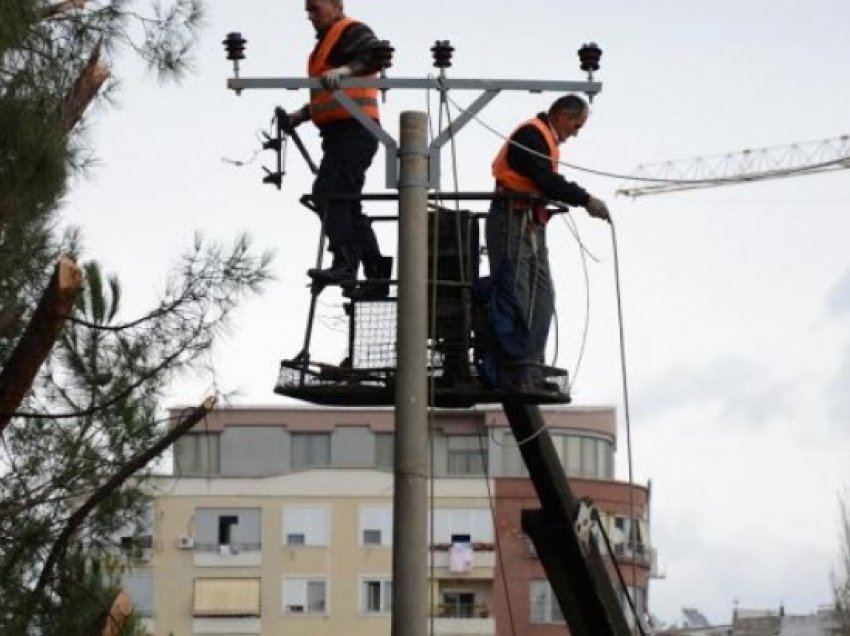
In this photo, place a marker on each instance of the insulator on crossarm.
(384, 56)
(442, 52)
(589, 56)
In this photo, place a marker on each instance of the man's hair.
(573, 105)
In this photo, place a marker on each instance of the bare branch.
(38, 339)
(61, 8)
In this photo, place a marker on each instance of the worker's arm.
(537, 166)
(354, 54)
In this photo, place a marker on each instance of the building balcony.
(233, 555)
(226, 626)
(640, 554)
(459, 560)
(463, 626)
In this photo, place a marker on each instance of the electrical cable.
(626, 407)
(595, 516)
(480, 433)
(484, 454)
(431, 428)
(241, 163)
(571, 380)
(615, 175)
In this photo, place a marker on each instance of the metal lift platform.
(459, 332)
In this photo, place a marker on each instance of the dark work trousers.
(347, 153)
(514, 235)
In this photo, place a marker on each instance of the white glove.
(597, 208)
(330, 79)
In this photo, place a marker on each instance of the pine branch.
(38, 339)
(8, 320)
(135, 464)
(8, 204)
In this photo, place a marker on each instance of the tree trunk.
(37, 341)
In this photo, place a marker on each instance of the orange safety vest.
(509, 179)
(324, 108)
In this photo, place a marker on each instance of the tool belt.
(527, 203)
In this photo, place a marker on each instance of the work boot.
(378, 270)
(343, 269)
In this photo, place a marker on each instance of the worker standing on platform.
(345, 48)
(528, 164)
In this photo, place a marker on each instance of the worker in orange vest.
(527, 166)
(345, 48)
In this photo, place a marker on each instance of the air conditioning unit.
(186, 542)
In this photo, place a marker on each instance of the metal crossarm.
(489, 89)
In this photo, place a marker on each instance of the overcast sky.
(736, 299)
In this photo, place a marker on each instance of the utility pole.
(410, 494)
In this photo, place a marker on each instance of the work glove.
(298, 117)
(330, 79)
(597, 209)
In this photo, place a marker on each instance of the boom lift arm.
(757, 164)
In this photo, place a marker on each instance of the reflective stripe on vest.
(323, 107)
(509, 178)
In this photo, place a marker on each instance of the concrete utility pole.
(410, 494)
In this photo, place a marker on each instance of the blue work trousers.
(513, 234)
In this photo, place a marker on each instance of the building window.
(467, 455)
(303, 526)
(227, 530)
(573, 455)
(589, 467)
(305, 596)
(458, 605)
(513, 465)
(376, 526)
(590, 457)
(473, 524)
(139, 585)
(377, 596)
(544, 605)
(638, 598)
(629, 537)
(311, 450)
(227, 598)
(199, 454)
(384, 448)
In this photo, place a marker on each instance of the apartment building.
(279, 521)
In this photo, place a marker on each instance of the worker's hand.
(597, 209)
(298, 117)
(330, 79)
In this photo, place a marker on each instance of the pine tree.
(76, 444)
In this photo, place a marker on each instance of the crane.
(744, 166)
